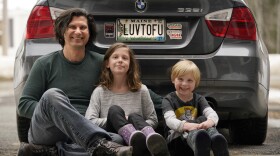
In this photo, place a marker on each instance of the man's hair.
(185, 67)
(62, 22)
(133, 74)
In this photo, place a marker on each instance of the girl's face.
(184, 85)
(119, 61)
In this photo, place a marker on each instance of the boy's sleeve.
(170, 118)
(207, 110)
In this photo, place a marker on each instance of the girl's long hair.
(133, 73)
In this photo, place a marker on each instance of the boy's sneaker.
(109, 148)
(200, 142)
(219, 145)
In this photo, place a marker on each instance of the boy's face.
(184, 85)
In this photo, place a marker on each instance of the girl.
(122, 104)
(189, 116)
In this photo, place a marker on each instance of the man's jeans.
(55, 119)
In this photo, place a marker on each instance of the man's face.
(77, 33)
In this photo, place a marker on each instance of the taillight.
(218, 22)
(242, 25)
(237, 23)
(40, 23)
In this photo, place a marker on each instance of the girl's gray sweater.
(131, 102)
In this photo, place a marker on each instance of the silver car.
(220, 36)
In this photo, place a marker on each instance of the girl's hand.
(206, 124)
(190, 126)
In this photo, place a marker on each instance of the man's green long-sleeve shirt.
(77, 80)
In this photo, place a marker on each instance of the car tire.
(23, 125)
(248, 132)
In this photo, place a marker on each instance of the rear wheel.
(250, 131)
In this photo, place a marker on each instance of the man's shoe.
(26, 149)
(109, 148)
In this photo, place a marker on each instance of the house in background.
(17, 19)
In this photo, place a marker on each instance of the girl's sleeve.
(94, 109)
(148, 108)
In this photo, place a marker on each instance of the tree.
(267, 18)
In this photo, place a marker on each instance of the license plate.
(140, 30)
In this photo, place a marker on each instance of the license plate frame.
(140, 30)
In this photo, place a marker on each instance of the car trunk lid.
(158, 26)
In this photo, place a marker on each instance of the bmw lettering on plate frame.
(141, 30)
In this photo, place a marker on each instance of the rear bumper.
(237, 100)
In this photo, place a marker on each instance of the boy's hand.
(206, 124)
(190, 126)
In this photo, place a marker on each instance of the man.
(58, 89)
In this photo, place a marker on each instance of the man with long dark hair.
(58, 89)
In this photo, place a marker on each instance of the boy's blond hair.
(185, 67)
